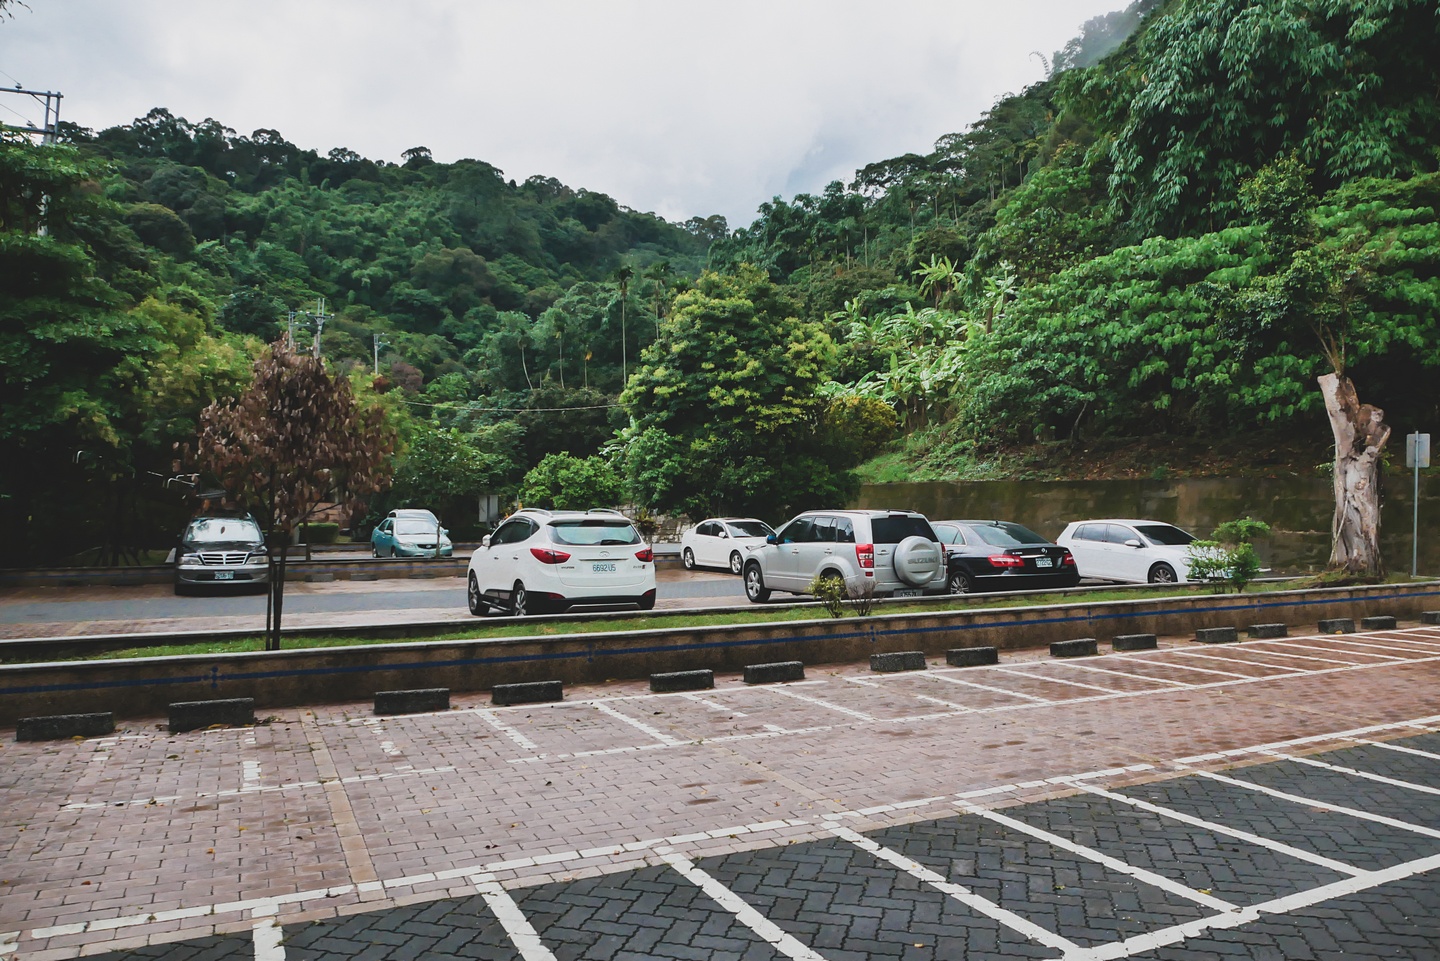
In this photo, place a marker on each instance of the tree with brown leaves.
(294, 439)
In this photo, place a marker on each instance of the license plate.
(603, 568)
(907, 593)
(224, 575)
(1044, 562)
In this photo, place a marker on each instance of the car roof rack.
(605, 510)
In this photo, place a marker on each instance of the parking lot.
(1266, 799)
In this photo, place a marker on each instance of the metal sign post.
(1417, 455)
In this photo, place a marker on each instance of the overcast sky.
(678, 107)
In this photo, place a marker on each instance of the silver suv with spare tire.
(876, 553)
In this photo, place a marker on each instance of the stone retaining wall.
(143, 687)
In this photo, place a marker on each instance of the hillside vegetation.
(1205, 206)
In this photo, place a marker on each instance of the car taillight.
(645, 556)
(1006, 560)
(1068, 560)
(865, 555)
(547, 556)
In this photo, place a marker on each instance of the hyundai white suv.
(540, 561)
(878, 553)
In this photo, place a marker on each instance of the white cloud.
(680, 107)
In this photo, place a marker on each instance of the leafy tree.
(563, 482)
(725, 405)
(284, 445)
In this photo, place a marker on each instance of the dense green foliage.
(1205, 205)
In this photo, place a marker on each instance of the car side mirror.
(485, 541)
(770, 539)
(1132, 542)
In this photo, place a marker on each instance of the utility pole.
(379, 342)
(48, 132)
(320, 318)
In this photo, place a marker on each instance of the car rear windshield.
(1165, 534)
(750, 528)
(894, 529)
(588, 532)
(219, 530)
(1007, 535)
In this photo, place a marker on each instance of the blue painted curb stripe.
(215, 678)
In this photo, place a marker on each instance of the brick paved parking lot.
(1269, 799)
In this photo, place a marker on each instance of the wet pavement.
(1268, 799)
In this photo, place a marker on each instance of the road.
(51, 611)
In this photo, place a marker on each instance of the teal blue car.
(407, 533)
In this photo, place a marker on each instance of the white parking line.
(489, 718)
(1312, 803)
(269, 940)
(1403, 750)
(1142, 943)
(1308, 657)
(1114, 864)
(1338, 867)
(768, 931)
(986, 687)
(1035, 676)
(1338, 650)
(1353, 772)
(861, 715)
(656, 733)
(512, 919)
(1288, 669)
(960, 893)
(1131, 675)
(719, 708)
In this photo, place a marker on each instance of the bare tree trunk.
(1360, 435)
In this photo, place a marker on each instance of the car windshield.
(1007, 535)
(893, 530)
(411, 527)
(749, 529)
(223, 530)
(1165, 534)
(594, 532)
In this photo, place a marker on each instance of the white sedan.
(1134, 551)
(722, 542)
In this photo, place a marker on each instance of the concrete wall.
(1298, 510)
(144, 687)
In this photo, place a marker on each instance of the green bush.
(1228, 558)
(324, 532)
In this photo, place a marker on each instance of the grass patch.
(678, 620)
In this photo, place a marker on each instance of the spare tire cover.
(917, 560)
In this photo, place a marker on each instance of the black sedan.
(1001, 556)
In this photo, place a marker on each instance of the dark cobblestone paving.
(650, 913)
(1074, 897)
(437, 931)
(1398, 921)
(1392, 764)
(841, 902)
(1349, 840)
(232, 947)
(1334, 787)
(1235, 870)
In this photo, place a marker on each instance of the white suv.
(881, 553)
(540, 561)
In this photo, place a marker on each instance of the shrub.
(1228, 558)
(323, 532)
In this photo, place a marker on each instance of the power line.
(510, 410)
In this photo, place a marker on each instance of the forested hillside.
(1206, 205)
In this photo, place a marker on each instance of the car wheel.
(374, 551)
(687, 559)
(734, 562)
(475, 598)
(1162, 574)
(520, 604)
(960, 582)
(755, 588)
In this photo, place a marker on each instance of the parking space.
(1120, 806)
